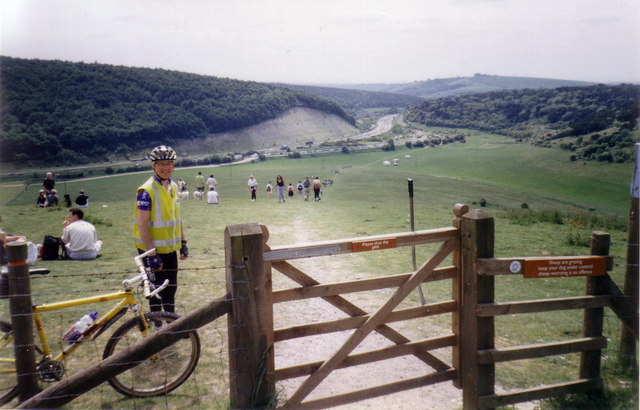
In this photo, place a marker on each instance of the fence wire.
(207, 387)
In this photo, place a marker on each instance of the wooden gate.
(470, 243)
(251, 246)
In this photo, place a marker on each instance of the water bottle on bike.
(78, 328)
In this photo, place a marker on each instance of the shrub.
(578, 239)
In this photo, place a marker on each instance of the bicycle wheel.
(8, 381)
(163, 372)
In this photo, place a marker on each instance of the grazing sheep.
(197, 195)
(183, 196)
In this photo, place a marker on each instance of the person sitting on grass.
(52, 198)
(82, 200)
(79, 236)
(212, 196)
(41, 200)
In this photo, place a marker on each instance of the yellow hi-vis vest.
(164, 218)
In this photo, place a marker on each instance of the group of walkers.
(303, 188)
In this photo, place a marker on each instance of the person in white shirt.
(253, 187)
(212, 196)
(79, 236)
(211, 182)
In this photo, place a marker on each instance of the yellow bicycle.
(158, 375)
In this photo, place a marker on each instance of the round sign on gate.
(515, 266)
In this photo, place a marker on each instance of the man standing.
(157, 224)
(211, 182)
(79, 236)
(200, 182)
(316, 188)
(49, 183)
(253, 187)
(306, 184)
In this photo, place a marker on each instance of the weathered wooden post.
(21, 309)
(250, 323)
(477, 241)
(627, 354)
(458, 211)
(593, 317)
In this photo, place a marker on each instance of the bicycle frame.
(126, 301)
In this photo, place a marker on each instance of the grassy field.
(366, 198)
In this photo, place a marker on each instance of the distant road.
(383, 125)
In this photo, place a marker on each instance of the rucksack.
(52, 248)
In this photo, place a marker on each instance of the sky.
(335, 41)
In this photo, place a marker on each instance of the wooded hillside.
(62, 113)
(359, 99)
(603, 115)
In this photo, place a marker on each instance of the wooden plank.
(516, 266)
(353, 322)
(349, 308)
(386, 353)
(505, 354)
(541, 305)
(325, 248)
(332, 289)
(373, 322)
(378, 391)
(538, 393)
(624, 307)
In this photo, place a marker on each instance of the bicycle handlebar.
(146, 284)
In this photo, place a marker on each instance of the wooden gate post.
(593, 317)
(627, 354)
(477, 241)
(458, 211)
(250, 323)
(21, 309)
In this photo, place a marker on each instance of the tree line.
(603, 116)
(354, 100)
(64, 113)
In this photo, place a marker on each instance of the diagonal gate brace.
(370, 325)
(352, 310)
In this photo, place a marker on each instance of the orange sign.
(565, 267)
(373, 245)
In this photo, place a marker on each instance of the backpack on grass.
(52, 248)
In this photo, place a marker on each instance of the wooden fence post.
(627, 354)
(593, 317)
(250, 323)
(21, 309)
(458, 211)
(477, 241)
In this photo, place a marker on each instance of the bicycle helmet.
(162, 153)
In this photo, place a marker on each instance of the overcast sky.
(335, 41)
